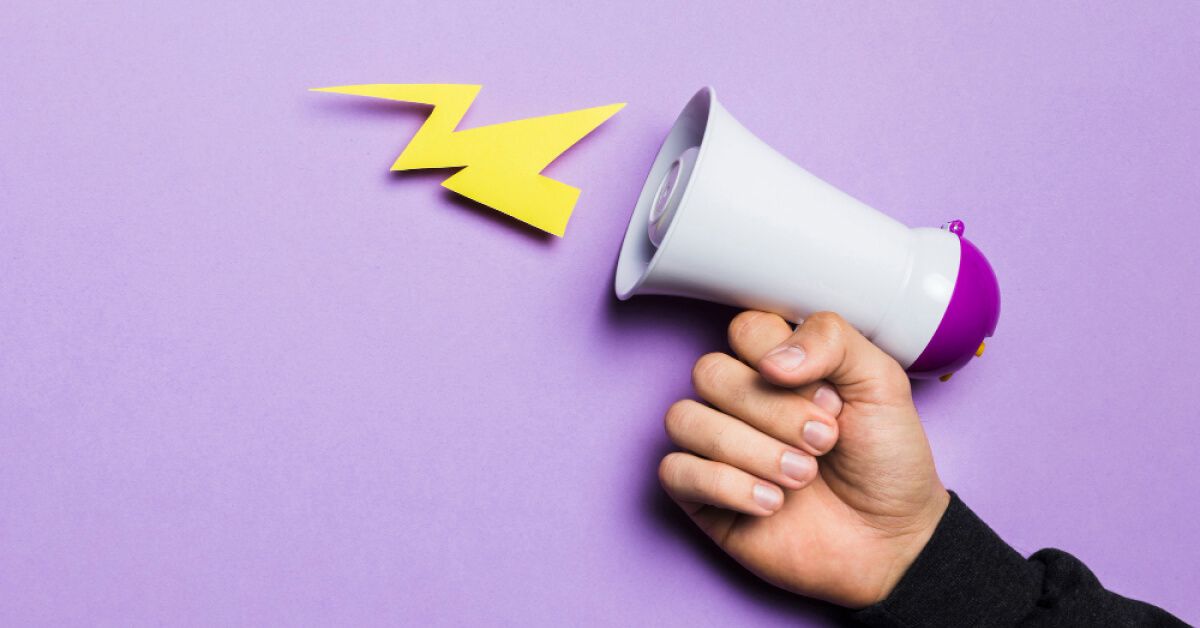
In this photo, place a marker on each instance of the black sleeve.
(968, 576)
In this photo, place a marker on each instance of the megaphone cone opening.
(645, 237)
(670, 194)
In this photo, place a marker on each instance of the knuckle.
(670, 469)
(826, 331)
(717, 445)
(828, 324)
(824, 317)
(719, 482)
(678, 416)
(781, 410)
(707, 369)
(744, 325)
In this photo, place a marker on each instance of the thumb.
(826, 347)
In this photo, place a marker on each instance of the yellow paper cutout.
(502, 163)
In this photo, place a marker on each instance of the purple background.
(250, 377)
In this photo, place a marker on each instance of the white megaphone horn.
(723, 217)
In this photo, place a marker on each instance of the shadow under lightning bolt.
(502, 163)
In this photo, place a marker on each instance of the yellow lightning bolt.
(502, 163)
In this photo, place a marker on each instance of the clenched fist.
(808, 464)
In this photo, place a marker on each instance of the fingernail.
(818, 435)
(787, 357)
(768, 497)
(828, 400)
(796, 466)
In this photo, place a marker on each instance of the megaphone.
(724, 217)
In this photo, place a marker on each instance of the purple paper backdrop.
(250, 377)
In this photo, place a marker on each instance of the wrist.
(910, 543)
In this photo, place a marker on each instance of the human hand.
(844, 528)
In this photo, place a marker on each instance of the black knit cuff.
(965, 576)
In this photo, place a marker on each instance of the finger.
(824, 395)
(826, 347)
(689, 479)
(738, 390)
(754, 334)
(718, 436)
